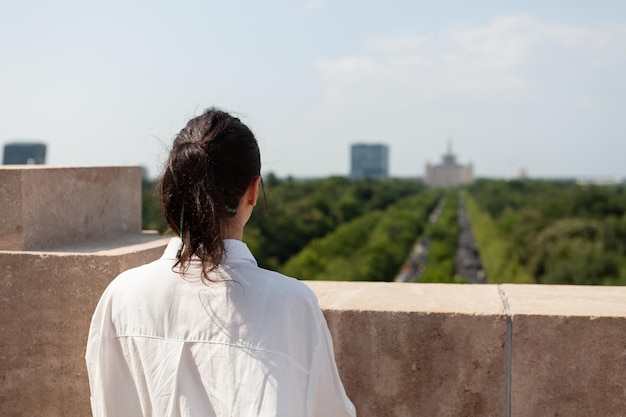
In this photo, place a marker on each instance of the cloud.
(511, 88)
(586, 102)
(313, 5)
(502, 57)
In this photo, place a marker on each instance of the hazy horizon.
(532, 86)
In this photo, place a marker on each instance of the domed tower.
(449, 173)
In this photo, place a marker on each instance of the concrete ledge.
(431, 349)
(43, 207)
(408, 297)
(418, 350)
(568, 350)
(47, 299)
(402, 349)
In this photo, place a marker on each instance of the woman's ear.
(253, 191)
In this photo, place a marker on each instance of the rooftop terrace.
(402, 349)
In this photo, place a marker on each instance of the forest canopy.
(559, 232)
(530, 231)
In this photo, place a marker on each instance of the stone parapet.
(402, 349)
(418, 349)
(478, 350)
(568, 350)
(47, 300)
(43, 207)
(65, 233)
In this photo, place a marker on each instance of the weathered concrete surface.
(47, 299)
(402, 349)
(569, 350)
(65, 233)
(418, 349)
(43, 207)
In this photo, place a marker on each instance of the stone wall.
(479, 350)
(47, 302)
(44, 207)
(65, 233)
(402, 349)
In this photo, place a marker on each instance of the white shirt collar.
(236, 251)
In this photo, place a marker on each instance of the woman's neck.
(233, 229)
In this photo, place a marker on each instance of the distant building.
(24, 153)
(369, 161)
(448, 173)
(522, 175)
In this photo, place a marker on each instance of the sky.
(511, 85)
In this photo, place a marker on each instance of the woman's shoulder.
(278, 286)
(290, 283)
(142, 278)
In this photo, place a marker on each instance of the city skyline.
(533, 86)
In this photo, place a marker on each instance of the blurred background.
(520, 106)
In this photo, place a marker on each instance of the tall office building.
(369, 161)
(24, 153)
(448, 173)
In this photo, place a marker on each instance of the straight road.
(468, 264)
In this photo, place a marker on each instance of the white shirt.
(254, 343)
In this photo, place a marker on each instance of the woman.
(203, 331)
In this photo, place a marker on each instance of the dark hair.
(211, 164)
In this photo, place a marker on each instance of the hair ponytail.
(211, 164)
